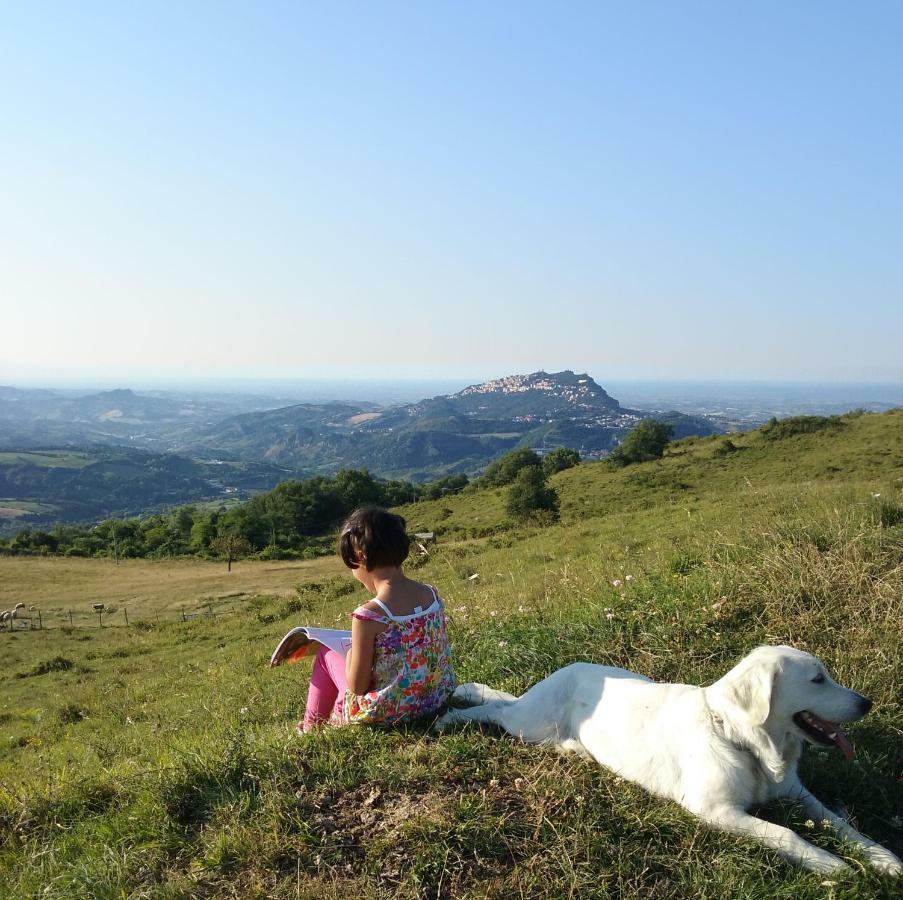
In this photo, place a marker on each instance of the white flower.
(809, 823)
(628, 577)
(503, 643)
(609, 616)
(244, 710)
(876, 496)
(493, 613)
(521, 609)
(616, 583)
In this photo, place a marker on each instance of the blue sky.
(662, 190)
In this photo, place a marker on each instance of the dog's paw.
(470, 694)
(444, 721)
(883, 860)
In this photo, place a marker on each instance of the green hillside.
(43, 487)
(159, 760)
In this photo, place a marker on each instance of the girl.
(399, 665)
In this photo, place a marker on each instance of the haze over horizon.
(451, 194)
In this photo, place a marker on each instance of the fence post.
(126, 614)
(70, 618)
(40, 621)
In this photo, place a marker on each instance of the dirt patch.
(360, 418)
(12, 512)
(371, 811)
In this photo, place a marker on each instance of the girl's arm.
(359, 661)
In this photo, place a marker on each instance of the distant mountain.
(447, 434)
(42, 418)
(443, 435)
(149, 450)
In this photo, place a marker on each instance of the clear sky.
(261, 189)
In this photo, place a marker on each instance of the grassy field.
(159, 760)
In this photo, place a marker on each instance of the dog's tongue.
(836, 734)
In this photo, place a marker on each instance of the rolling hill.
(170, 741)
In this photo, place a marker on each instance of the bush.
(726, 447)
(530, 495)
(645, 442)
(505, 469)
(559, 459)
(778, 430)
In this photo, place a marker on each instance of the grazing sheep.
(10, 614)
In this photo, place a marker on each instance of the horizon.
(688, 393)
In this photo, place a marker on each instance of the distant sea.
(756, 401)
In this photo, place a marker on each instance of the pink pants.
(326, 694)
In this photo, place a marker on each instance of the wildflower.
(628, 577)
(493, 613)
(609, 616)
(826, 823)
(616, 583)
(876, 496)
(244, 710)
(503, 643)
(521, 609)
(809, 823)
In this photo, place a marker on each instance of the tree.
(530, 495)
(505, 469)
(443, 487)
(230, 546)
(647, 441)
(559, 459)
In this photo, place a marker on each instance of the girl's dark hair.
(376, 534)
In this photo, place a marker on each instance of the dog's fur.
(718, 751)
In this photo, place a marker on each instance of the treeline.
(295, 519)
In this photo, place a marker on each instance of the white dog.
(717, 751)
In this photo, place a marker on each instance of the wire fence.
(101, 615)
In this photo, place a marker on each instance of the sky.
(674, 190)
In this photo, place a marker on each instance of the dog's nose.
(864, 704)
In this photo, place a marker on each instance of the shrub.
(776, 430)
(530, 495)
(505, 469)
(726, 447)
(645, 442)
(559, 459)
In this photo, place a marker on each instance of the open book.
(298, 641)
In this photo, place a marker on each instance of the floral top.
(412, 669)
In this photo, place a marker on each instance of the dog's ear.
(743, 699)
(748, 689)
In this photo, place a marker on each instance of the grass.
(52, 459)
(160, 761)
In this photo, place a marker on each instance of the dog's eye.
(818, 679)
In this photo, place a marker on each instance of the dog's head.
(779, 692)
